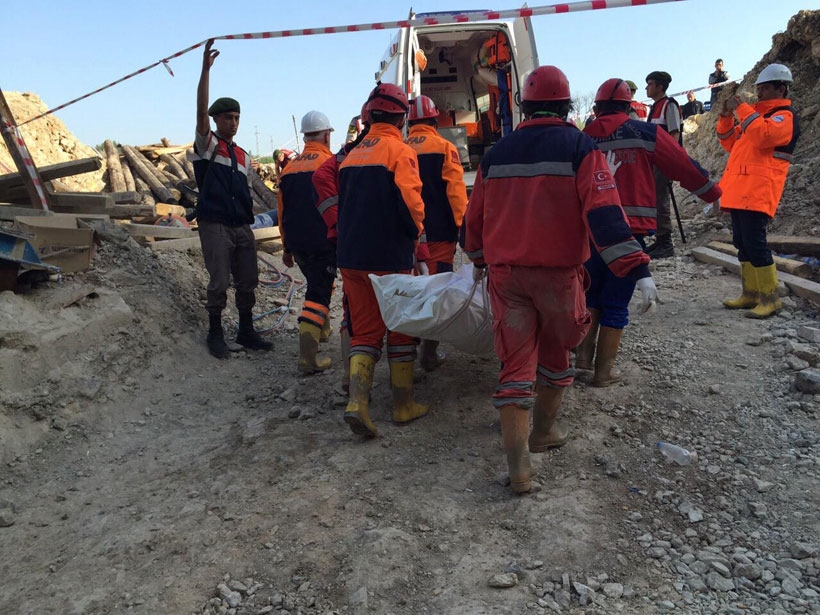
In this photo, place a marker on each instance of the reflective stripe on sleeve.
(615, 252)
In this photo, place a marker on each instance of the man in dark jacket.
(222, 171)
(692, 107)
(719, 76)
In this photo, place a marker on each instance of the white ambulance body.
(472, 71)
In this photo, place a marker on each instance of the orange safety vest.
(760, 150)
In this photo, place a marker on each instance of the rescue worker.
(762, 138)
(445, 197)
(281, 158)
(326, 184)
(632, 149)
(304, 239)
(225, 215)
(665, 112)
(637, 110)
(541, 194)
(380, 223)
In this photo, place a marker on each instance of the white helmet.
(774, 72)
(315, 121)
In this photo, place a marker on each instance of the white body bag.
(446, 307)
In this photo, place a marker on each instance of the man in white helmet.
(754, 178)
(304, 238)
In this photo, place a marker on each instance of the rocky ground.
(142, 475)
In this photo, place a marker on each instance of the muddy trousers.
(539, 314)
(364, 320)
(229, 251)
(663, 202)
(441, 256)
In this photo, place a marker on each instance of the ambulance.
(473, 72)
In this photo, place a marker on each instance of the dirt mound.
(49, 142)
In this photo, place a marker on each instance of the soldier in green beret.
(225, 215)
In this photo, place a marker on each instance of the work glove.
(610, 162)
(649, 294)
(287, 259)
(479, 272)
(422, 268)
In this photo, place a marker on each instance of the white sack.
(447, 307)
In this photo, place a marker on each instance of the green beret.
(632, 85)
(659, 76)
(223, 105)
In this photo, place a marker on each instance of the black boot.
(216, 338)
(662, 248)
(248, 337)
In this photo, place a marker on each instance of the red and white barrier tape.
(705, 87)
(17, 140)
(464, 17)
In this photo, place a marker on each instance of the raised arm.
(203, 122)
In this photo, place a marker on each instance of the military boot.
(357, 414)
(247, 335)
(326, 330)
(309, 362)
(767, 287)
(663, 247)
(515, 429)
(547, 433)
(609, 339)
(749, 296)
(216, 337)
(405, 408)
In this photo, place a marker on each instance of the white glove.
(610, 162)
(479, 273)
(649, 294)
(422, 268)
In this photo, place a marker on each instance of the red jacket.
(636, 146)
(326, 184)
(541, 193)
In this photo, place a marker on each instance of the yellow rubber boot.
(405, 408)
(585, 351)
(609, 340)
(309, 362)
(325, 335)
(750, 296)
(515, 428)
(361, 380)
(767, 287)
(547, 432)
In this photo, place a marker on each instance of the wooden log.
(788, 265)
(126, 198)
(9, 212)
(165, 142)
(53, 171)
(266, 195)
(800, 287)
(132, 211)
(155, 151)
(116, 179)
(130, 186)
(144, 169)
(261, 235)
(807, 246)
(174, 166)
(81, 202)
(159, 232)
(145, 190)
(182, 161)
(167, 209)
(189, 166)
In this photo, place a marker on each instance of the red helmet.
(546, 83)
(614, 89)
(388, 98)
(364, 115)
(422, 108)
